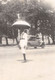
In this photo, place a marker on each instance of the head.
(25, 31)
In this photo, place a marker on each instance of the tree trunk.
(53, 34)
(53, 39)
(48, 40)
(17, 41)
(0, 40)
(6, 41)
(43, 37)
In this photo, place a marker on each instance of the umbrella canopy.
(20, 24)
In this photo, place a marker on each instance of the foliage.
(38, 14)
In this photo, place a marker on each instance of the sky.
(4, 1)
(51, 2)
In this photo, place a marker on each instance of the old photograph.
(27, 39)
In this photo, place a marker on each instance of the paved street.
(40, 64)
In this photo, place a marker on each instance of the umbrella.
(21, 24)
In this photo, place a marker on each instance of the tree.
(8, 14)
(1, 19)
(37, 13)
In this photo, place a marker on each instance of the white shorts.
(23, 45)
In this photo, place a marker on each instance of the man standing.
(23, 43)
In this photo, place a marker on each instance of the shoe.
(24, 61)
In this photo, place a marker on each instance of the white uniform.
(23, 42)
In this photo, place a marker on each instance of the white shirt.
(23, 41)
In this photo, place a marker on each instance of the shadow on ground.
(4, 45)
(22, 61)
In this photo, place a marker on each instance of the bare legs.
(24, 55)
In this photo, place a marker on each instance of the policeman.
(23, 43)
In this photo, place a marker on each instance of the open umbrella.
(21, 24)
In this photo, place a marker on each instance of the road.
(40, 64)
